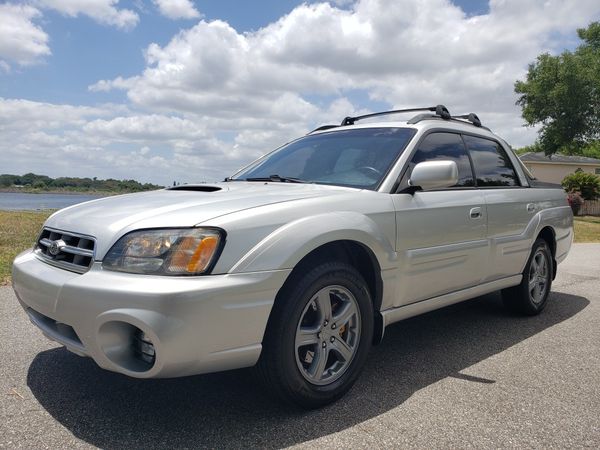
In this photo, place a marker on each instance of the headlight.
(189, 251)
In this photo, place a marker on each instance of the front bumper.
(196, 324)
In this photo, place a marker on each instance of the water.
(31, 202)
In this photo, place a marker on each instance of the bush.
(575, 201)
(586, 183)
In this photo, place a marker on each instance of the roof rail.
(440, 111)
(323, 127)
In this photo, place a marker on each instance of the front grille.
(70, 251)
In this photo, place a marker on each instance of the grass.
(19, 229)
(587, 229)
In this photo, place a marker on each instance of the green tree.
(586, 183)
(562, 93)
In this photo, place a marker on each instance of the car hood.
(109, 218)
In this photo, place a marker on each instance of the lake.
(31, 202)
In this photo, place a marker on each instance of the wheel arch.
(352, 252)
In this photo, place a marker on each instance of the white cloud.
(146, 128)
(102, 11)
(177, 9)
(212, 99)
(20, 115)
(403, 53)
(21, 40)
(109, 141)
(107, 85)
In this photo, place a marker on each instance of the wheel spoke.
(344, 316)
(532, 283)
(541, 264)
(318, 366)
(343, 349)
(534, 265)
(307, 336)
(324, 304)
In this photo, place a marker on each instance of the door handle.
(530, 207)
(475, 213)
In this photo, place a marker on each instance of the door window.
(448, 147)
(491, 163)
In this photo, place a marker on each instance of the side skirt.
(414, 309)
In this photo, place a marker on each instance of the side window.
(446, 146)
(491, 163)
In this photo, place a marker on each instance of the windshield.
(355, 158)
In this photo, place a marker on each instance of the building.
(553, 169)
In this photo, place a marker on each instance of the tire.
(313, 353)
(530, 297)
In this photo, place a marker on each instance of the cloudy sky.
(163, 90)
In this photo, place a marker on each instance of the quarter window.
(448, 147)
(491, 163)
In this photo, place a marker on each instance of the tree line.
(32, 181)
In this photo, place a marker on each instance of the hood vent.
(195, 187)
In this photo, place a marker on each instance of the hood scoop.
(195, 187)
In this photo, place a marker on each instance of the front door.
(441, 235)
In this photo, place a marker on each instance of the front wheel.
(530, 297)
(318, 336)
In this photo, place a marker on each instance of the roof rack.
(471, 117)
(440, 111)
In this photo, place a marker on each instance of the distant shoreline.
(65, 192)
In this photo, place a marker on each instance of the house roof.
(558, 159)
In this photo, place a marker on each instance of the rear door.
(441, 234)
(510, 209)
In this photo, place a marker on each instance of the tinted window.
(449, 147)
(356, 158)
(492, 166)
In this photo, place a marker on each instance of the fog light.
(143, 347)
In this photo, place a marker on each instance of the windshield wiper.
(278, 179)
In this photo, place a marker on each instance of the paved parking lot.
(468, 376)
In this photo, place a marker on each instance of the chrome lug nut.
(333, 326)
(324, 344)
(332, 339)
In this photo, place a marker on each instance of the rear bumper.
(196, 324)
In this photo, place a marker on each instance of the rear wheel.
(318, 336)
(530, 297)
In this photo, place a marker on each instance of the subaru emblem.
(56, 246)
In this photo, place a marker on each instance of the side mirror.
(434, 175)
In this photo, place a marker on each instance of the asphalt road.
(467, 376)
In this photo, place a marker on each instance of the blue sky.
(84, 51)
(114, 90)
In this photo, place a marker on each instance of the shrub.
(575, 201)
(586, 183)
